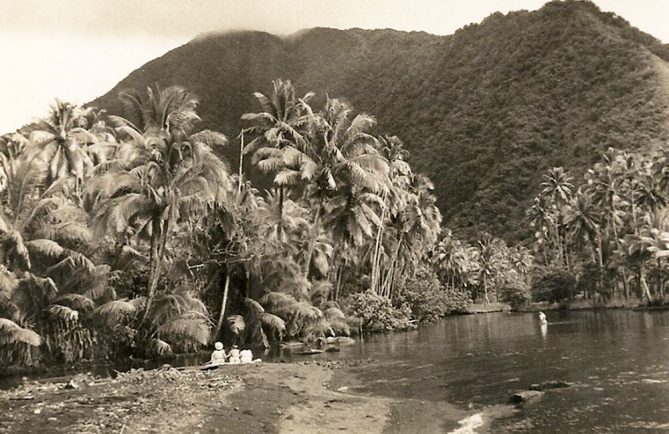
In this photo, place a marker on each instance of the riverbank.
(266, 397)
(586, 304)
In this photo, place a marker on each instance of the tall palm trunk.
(558, 242)
(643, 284)
(241, 165)
(221, 317)
(159, 252)
(385, 290)
(660, 278)
(376, 261)
(485, 289)
(338, 276)
(618, 244)
(313, 231)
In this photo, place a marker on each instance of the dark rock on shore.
(525, 396)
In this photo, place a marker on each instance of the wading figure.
(542, 318)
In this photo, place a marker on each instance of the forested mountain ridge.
(484, 112)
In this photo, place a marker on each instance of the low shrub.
(428, 299)
(553, 284)
(376, 312)
(515, 294)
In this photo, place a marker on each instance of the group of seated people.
(219, 357)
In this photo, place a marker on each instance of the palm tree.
(450, 258)
(163, 113)
(656, 239)
(45, 239)
(417, 226)
(557, 190)
(637, 251)
(63, 142)
(345, 156)
(491, 261)
(604, 185)
(583, 221)
(541, 219)
(521, 259)
(279, 144)
(170, 179)
(392, 150)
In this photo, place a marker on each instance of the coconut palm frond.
(12, 333)
(270, 165)
(306, 311)
(8, 282)
(253, 306)
(317, 328)
(34, 294)
(45, 248)
(279, 303)
(339, 326)
(287, 177)
(115, 216)
(321, 258)
(267, 152)
(115, 312)
(160, 347)
(67, 232)
(110, 184)
(237, 324)
(186, 328)
(274, 323)
(210, 138)
(75, 262)
(15, 248)
(64, 313)
(334, 313)
(76, 301)
(320, 291)
(139, 303)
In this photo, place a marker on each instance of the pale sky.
(77, 50)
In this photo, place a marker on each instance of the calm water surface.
(618, 360)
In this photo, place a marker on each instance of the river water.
(618, 361)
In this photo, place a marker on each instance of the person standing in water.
(542, 318)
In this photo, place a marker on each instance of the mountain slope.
(484, 111)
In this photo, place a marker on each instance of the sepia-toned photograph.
(350, 216)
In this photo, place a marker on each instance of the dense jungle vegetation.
(159, 222)
(608, 236)
(484, 112)
(133, 236)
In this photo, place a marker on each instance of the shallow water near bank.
(617, 360)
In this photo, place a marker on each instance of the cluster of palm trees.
(487, 268)
(134, 234)
(611, 232)
(85, 201)
(347, 213)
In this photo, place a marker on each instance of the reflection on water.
(618, 361)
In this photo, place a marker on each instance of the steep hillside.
(484, 111)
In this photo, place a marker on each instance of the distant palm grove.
(133, 236)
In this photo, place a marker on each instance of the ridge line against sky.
(77, 50)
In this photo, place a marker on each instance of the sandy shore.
(267, 397)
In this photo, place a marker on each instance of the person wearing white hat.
(218, 356)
